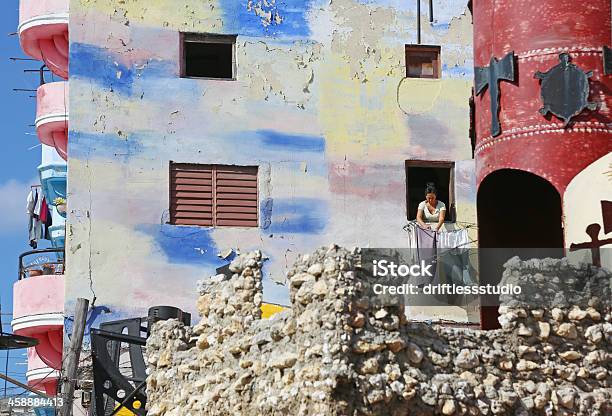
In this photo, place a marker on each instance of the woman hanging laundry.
(431, 212)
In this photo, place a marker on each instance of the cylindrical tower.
(538, 31)
(554, 125)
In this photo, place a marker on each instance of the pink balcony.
(39, 375)
(43, 32)
(38, 312)
(52, 116)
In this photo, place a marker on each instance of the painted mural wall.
(321, 104)
(584, 205)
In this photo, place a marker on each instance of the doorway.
(519, 213)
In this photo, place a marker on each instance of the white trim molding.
(43, 319)
(44, 19)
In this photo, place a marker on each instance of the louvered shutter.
(191, 194)
(213, 195)
(236, 196)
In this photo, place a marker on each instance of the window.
(213, 195)
(208, 56)
(418, 174)
(422, 61)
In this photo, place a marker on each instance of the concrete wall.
(321, 104)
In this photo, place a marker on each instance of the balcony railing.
(45, 263)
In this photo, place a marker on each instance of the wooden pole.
(24, 386)
(418, 22)
(71, 362)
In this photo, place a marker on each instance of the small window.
(422, 61)
(418, 174)
(213, 195)
(208, 56)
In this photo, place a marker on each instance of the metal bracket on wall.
(565, 90)
(607, 60)
(111, 383)
(490, 76)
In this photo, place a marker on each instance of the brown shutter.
(218, 195)
(236, 196)
(191, 194)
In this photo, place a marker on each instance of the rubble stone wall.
(337, 353)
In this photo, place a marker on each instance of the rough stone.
(336, 353)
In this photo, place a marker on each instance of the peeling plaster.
(320, 104)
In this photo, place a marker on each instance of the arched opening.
(519, 213)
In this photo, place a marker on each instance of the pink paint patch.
(386, 183)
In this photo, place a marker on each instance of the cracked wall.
(321, 104)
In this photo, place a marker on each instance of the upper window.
(208, 56)
(419, 174)
(213, 195)
(422, 61)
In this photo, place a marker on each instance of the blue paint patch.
(299, 216)
(109, 146)
(184, 245)
(266, 213)
(238, 19)
(464, 71)
(102, 67)
(291, 142)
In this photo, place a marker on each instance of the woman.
(431, 210)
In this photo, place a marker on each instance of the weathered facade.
(319, 102)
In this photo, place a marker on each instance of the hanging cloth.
(453, 239)
(35, 226)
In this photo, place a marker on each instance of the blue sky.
(21, 156)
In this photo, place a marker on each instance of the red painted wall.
(538, 31)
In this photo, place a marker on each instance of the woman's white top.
(428, 216)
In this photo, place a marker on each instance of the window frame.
(214, 168)
(185, 37)
(424, 49)
(451, 214)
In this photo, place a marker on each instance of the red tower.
(523, 169)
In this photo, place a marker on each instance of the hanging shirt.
(453, 239)
(435, 216)
(31, 201)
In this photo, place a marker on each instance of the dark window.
(422, 61)
(213, 195)
(208, 56)
(418, 174)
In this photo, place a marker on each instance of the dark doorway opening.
(519, 213)
(418, 174)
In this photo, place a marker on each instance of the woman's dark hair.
(430, 188)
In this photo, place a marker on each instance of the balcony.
(43, 32)
(38, 302)
(52, 171)
(39, 375)
(52, 116)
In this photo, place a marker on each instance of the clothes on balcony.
(449, 253)
(453, 239)
(39, 217)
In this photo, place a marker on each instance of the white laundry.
(453, 239)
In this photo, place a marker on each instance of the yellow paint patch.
(187, 14)
(359, 117)
(270, 309)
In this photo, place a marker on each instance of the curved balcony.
(39, 375)
(52, 171)
(52, 116)
(43, 32)
(38, 303)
